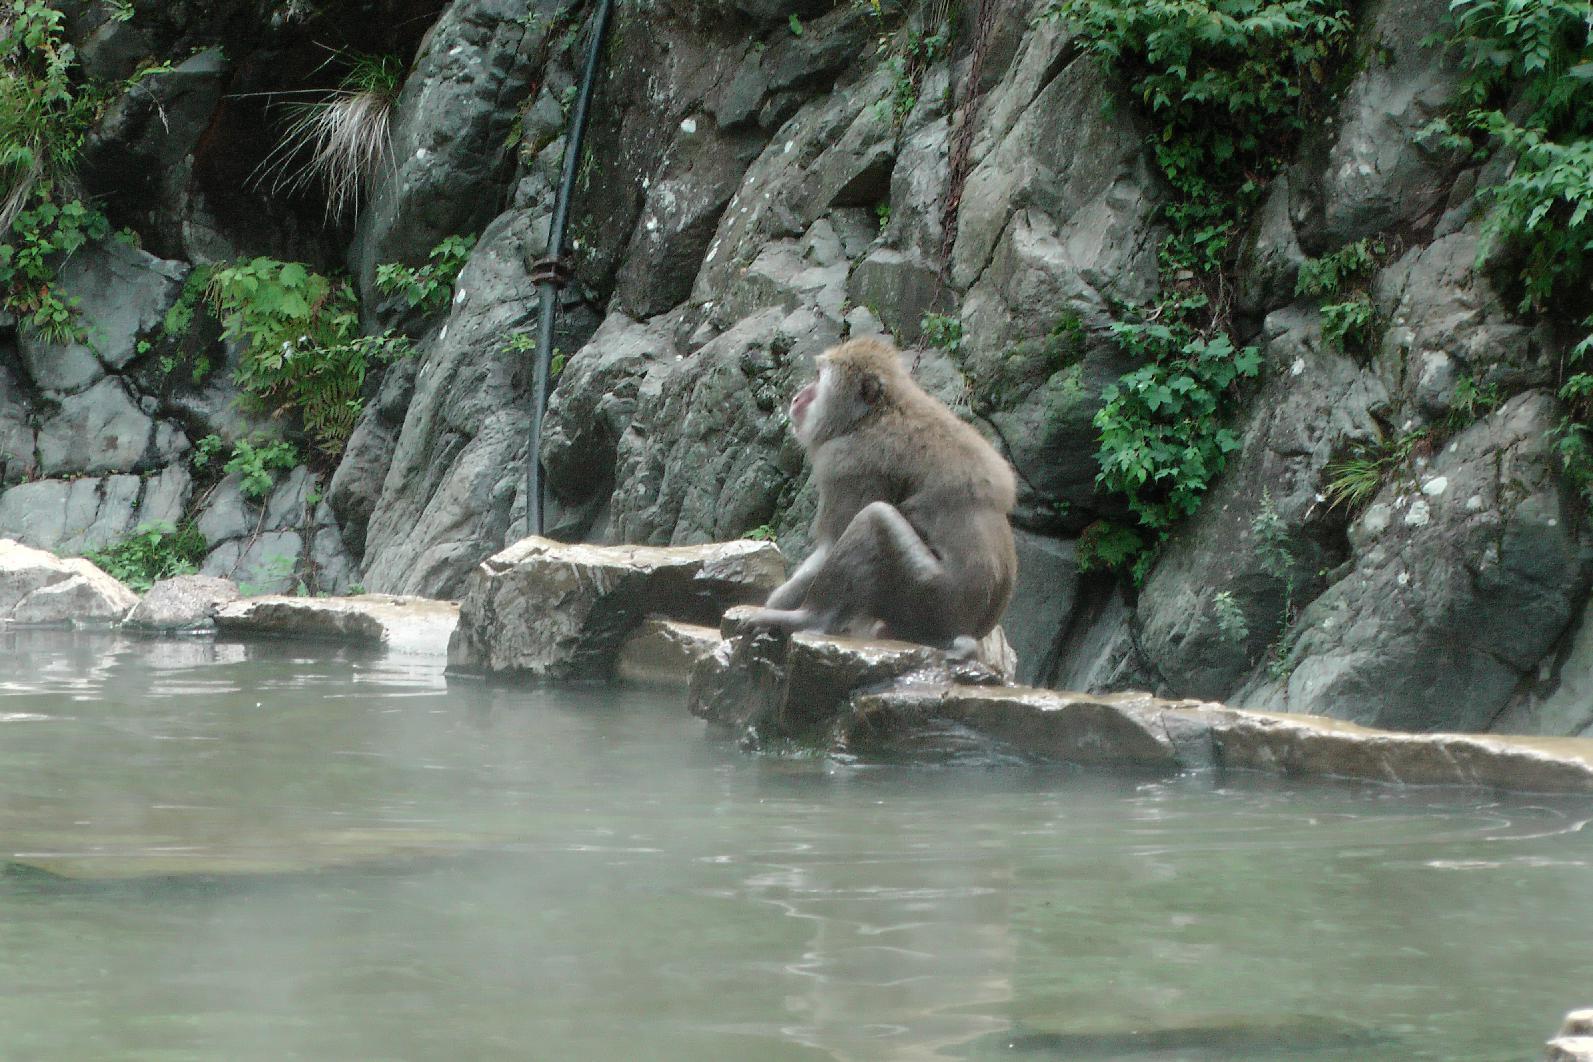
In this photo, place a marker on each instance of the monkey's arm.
(790, 593)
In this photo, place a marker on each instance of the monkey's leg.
(789, 594)
(879, 568)
(878, 562)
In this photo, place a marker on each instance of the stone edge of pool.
(543, 610)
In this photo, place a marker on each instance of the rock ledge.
(402, 624)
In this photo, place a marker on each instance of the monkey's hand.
(789, 620)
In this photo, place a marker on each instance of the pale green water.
(489, 873)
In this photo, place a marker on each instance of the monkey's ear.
(870, 387)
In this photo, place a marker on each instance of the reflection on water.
(268, 852)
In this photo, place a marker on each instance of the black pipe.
(550, 280)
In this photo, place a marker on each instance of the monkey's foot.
(963, 648)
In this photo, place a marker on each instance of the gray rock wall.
(750, 195)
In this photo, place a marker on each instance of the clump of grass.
(1354, 480)
(341, 140)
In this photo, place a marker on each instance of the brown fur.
(875, 436)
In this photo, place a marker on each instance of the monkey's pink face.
(801, 403)
(807, 408)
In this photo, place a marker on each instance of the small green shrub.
(43, 115)
(1066, 339)
(151, 553)
(1471, 400)
(205, 451)
(1109, 546)
(1230, 618)
(519, 343)
(1162, 437)
(1353, 481)
(943, 331)
(1331, 274)
(302, 347)
(255, 462)
(430, 287)
(39, 239)
(1350, 322)
(1348, 325)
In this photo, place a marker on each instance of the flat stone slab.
(554, 610)
(415, 625)
(41, 589)
(937, 721)
(1141, 731)
(663, 653)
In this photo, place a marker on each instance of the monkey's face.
(806, 409)
(831, 405)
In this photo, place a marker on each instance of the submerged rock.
(555, 610)
(183, 603)
(406, 624)
(40, 588)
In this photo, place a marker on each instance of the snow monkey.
(911, 535)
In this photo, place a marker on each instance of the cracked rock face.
(1461, 579)
(749, 195)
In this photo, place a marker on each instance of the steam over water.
(274, 852)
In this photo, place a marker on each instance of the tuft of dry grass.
(342, 140)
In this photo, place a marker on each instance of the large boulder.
(1136, 730)
(546, 609)
(17, 433)
(664, 652)
(140, 155)
(287, 540)
(40, 588)
(106, 429)
(710, 455)
(1379, 175)
(182, 603)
